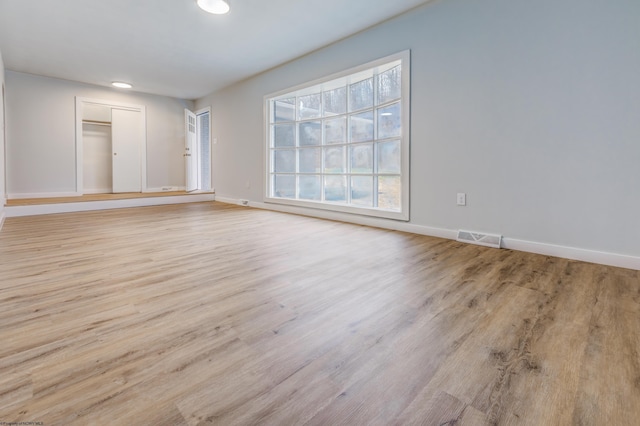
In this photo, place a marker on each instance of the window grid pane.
(341, 145)
(310, 133)
(284, 135)
(284, 110)
(335, 130)
(361, 95)
(309, 106)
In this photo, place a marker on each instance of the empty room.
(320, 212)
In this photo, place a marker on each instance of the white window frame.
(403, 213)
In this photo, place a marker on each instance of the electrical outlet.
(462, 199)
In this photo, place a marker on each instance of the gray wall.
(41, 133)
(531, 108)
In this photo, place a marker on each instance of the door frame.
(198, 152)
(198, 113)
(80, 101)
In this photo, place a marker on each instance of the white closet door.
(126, 134)
(191, 151)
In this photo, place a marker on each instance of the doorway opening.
(110, 147)
(97, 164)
(198, 150)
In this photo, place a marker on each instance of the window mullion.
(316, 104)
(375, 140)
(347, 146)
(323, 142)
(296, 146)
(322, 163)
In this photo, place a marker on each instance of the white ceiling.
(171, 47)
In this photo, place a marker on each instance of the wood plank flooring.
(210, 313)
(95, 197)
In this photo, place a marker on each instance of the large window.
(343, 143)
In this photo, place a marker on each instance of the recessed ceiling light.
(218, 7)
(386, 114)
(121, 85)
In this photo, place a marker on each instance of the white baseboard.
(228, 200)
(98, 191)
(603, 258)
(167, 188)
(33, 210)
(22, 196)
(592, 256)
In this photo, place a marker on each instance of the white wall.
(531, 108)
(41, 133)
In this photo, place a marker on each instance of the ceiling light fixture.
(218, 7)
(121, 85)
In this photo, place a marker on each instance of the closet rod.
(99, 123)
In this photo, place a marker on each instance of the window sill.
(341, 208)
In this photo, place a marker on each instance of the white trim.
(203, 110)
(584, 255)
(79, 144)
(42, 195)
(574, 253)
(338, 208)
(3, 216)
(79, 153)
(164, 189)
(405, 139)
(144, 153)
(98, 191)
(78, 194)
(238, 201)
(198, 113)
(40, 209)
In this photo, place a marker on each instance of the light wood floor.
(210, 313)
(95, 197)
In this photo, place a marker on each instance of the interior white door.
(191, 151)
(126, 134)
